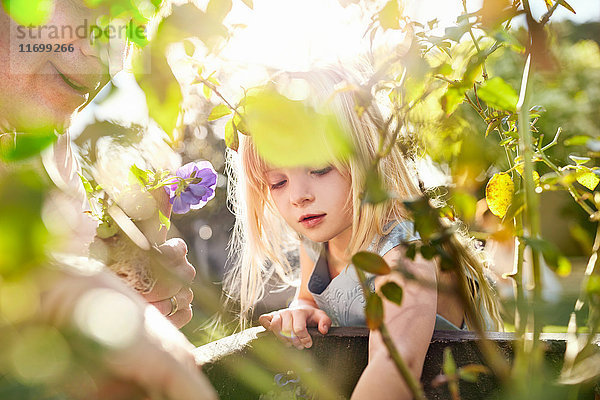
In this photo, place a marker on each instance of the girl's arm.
(290, 324)
(410, 326)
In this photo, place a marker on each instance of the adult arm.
(137, 344)
(410, 327)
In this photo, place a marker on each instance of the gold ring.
(174, 306)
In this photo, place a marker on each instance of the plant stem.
(484, 72)
(532, 226)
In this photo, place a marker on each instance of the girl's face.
(314, 202)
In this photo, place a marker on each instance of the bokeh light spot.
(109, 317)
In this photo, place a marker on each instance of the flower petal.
(180, 206)
(186, 170)
(209, 177)
(198, 190)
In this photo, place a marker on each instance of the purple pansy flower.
(192, 186)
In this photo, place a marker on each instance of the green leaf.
(219, 111)
(29, 12)
(499, 193)
(164, 220)
(566, 5)
(137, 34)
(392, 292)
(389, 16)
(580, 140)
(289, 133)
(231, 136)
(498, 94)
(452, 99)
(411, 251)
(444, 69)
(374, 311)
(86, 184)
(238, 121)
(375, 192)
(142, 176)
(207, 91)
(471, 372)
(107, 229)
(163, 93)
(425, 217)
(371, 262)
(551, 254)
(592, 286)
(493, 125)
(428, 252)
(24, 238)
(579, 160)
(563, 267)
(449, 366)
(189, 47)
(25, 145)
(464, 204)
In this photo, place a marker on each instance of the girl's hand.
(290, 324)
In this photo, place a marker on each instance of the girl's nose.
(301, 195)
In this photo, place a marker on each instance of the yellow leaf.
(499, 193)
(587, 178)
(219, 111)
(536, 175)
(231, 135)
(389, 16)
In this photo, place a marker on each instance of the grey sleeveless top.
(342, 297)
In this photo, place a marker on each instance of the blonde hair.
(261, 237)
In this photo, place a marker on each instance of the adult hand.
(290, 324)
(138, 347)
(171, 293)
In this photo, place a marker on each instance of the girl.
(319, 209)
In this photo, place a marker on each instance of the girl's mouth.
(311, 220)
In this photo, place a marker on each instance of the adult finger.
(174, 252)
(182, 314)
(173, 273)
(181, 317)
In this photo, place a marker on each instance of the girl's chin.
(316, 237)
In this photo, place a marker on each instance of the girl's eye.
(323, 171)
(277, 185)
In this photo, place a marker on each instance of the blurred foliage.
(23, 236)
(455, 94)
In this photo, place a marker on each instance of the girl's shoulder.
(394, 234)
